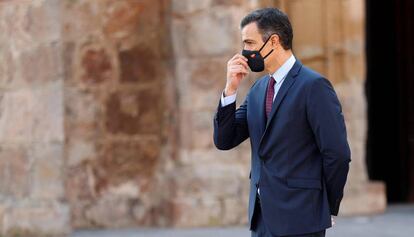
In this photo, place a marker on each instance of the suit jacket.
(300, 155)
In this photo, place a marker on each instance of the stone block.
(80, 186)
(83, 108)
(96, 66)
(36, 218)
(227, 3)
(191, 212)
(39, 65)
(42, 21)
(121, 161)
(77, 212)
(125, 22)
(15, 164)
(79, 150)
(47, 172)
(364, 198)
(7, 66)
(14, 25)
(80, 19)
(110, 211)
(130, 113)
(32, 114)
(182, 7)
(196, 129)
(211, 179)
(200, 82)
(308, 27)
(191, 37)
(139, 65)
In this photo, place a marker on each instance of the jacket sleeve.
(327, 123)
(230, 125)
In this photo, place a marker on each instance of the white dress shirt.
(279, 77)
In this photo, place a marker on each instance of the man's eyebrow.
(248, 41)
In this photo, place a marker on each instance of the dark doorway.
(390, 96)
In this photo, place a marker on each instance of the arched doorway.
(390, 96)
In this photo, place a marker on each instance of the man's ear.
(274, 39)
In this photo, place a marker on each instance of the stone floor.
(398, 221)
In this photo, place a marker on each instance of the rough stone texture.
(31, 120)
(116, 130)
(211, 186)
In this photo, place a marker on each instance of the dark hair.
(271, 21)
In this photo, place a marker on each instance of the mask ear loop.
(268, 54)
(266, 42)
(264, 45)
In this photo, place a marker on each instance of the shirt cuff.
(228, 99)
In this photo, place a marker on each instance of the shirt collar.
(284, 69)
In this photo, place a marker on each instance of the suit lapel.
(287, 83)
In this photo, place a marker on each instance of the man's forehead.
(250, 31)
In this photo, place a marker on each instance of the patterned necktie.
(269, 96)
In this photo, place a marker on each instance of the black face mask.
(255, 59)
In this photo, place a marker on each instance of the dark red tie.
(269, 96)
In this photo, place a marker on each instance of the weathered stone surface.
(7, 66)
(79, 150)
(41, 64)
(120, 161)
(96, 65)
(81, 18)
(125, 22)
(200, 82)
(32, 114)
(80, 183)
(307, 22)
(364, 198)
(31, 120)
(42, 21)
(113, 111)
(82, 112)
(133, 113)
(139, 65)
(47, 172)
(36, 218)
(15, 164)
(122, 175)
(197, 42)
(189, 6)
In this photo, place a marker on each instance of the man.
(300, 154)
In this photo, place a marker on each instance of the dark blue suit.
(300, 155)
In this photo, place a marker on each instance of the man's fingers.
(238, 69)
(239, 61)
(238, 56)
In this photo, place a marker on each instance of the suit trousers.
(259, 228)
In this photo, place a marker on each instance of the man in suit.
(300, 154)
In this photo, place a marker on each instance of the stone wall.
(211, 186)
(31, 120)
(117, 109)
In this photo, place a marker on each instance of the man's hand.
(237, 70)
(332, 220)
